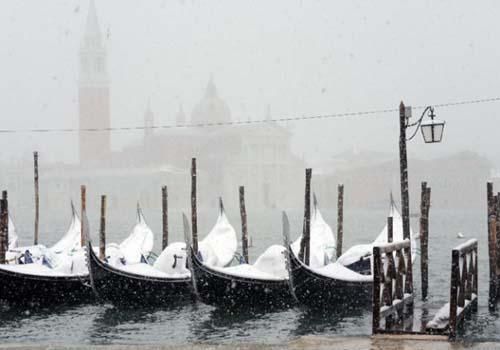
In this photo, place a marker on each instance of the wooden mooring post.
(37, 198)
(497, 241)
(306, 230)
(4, 227)
(102, 230)
(83, 199)
(493, 249)
(340, 219)
(244, 228)
(194, 215)
(424, 238)
(164, 212)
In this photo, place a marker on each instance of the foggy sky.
(301, 57)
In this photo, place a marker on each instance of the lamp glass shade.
(432, 130)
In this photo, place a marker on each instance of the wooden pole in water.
(83, 198)
(37, 198)
(194, 217)
(340, 219)
(244, 229)
(492, 228)
(4, 227)
(306, 230)
(164, 210)
(6, 237)
(455, 282)
(492, 260)
(102, 230)
(390, 229)
(377, 271)
(403, 167)
(497, 241)
(424, 239)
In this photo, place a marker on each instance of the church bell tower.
(93, 92)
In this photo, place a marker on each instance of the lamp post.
(432, 132)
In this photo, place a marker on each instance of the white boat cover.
(139, 243)
(37, 270)
(339, 271)
(323, 242)
(219, 246)
(268, 266)
(217, 250)
(69, 242)
(143, 269)
(68, 258)
(271, 264)
(72, 239)
(13, 238)
(354, 253)
(172, 260)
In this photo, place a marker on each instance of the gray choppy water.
(196, 322)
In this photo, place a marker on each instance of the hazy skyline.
(302, 58)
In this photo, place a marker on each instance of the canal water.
(96, 324)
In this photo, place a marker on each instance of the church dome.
(211, 109)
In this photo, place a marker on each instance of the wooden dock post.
(4, 227)
(6, 238)
(37, 197)
(390, 229)
(83, 198)
(497, 242)
(102, 230)
(455, 282)
(194, 217)
(306, 230)
(244, 228)
(164, 210)
(424, 238)
(377, 280)
(492, 234)
(340, 218)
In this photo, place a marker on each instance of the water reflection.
(334, 320)
(141, 324)
(245, 324)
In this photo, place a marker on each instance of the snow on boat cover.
(217, 250)
(270, 265)
(67, 257)
(339, 269)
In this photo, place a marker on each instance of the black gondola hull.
(315, 290)
(123, 288)
(27, 289)
(220, 289)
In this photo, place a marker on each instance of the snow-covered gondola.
(136, 284)
(37, 274)
(263, 284)
(60, 274)
(166, 279)
(347, 281)
(139, 282)
(30, 284)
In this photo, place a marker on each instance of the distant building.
(257, 156)
(93, 92)
(457, 181)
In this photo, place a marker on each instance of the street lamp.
(432, 132)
